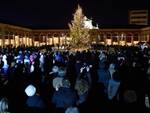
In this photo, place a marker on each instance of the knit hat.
(72, 110)
(30, 90)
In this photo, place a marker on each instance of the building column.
(122, 39)
(65, 40)
(46, 39)
(111, 37)
(139, 37)
(19, 41)
(132, 39)
(27, 40)
(148, 36)
(25, 36)
(14, 44)
(52, 40)
(118, 38)
(59, 41)
(125, 39)
(22, 42)
(33, 38)
(105, 37)
(9, 40)
(3, 37)
(39, 39)
(145, 38)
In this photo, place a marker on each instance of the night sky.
(57, 13)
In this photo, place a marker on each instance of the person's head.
(148, 62)
(81, 87)
(112, 66)
(66, 83)
(61, 71)
(72, 110)
(148, 72)
(133, 64)
(4, 58)
(3, 105)
(30, 90)
(20, 52)
(130, 96)
(55, 69)
(13, 64)
(57, 83)
(116, 76)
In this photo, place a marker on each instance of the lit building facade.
(138, 17)
(15, 36)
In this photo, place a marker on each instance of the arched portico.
(16, 36)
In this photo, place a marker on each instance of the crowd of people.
(110, 79)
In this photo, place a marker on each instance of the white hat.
(30, 90)
(4, 57)
(72, 110)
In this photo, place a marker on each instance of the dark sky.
(57, 13)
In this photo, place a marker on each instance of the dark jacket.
(64, 97)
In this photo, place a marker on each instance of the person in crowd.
(64, 96)
(72, 110)
(4, 105)
(113, 91)
(103, 73)
(115, 77)
(34, 101)
(5, 67)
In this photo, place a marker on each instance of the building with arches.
(16, 35)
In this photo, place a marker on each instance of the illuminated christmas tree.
(79, 31)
